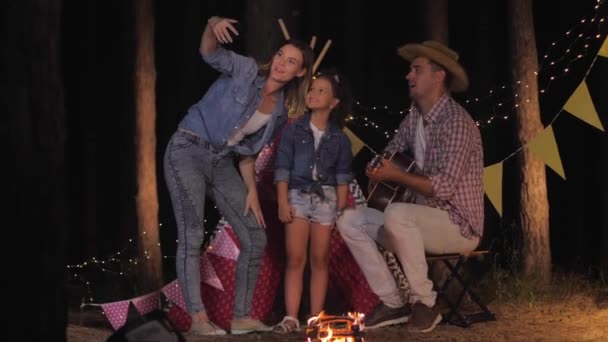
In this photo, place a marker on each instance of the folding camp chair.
(455, 316)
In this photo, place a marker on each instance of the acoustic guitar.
(381, 194)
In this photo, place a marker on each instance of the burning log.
(328, 328)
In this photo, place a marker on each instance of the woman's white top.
(257, 121)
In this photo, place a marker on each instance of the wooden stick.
(321, 56)
(284, 29)
(313, 41)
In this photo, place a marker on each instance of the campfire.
(328, 328)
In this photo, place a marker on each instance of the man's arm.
(453, 161)
(397, 144)
(387, 171)
(418, 183)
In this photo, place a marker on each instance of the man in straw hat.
(445, 214)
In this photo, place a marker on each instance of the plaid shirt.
(453, 161)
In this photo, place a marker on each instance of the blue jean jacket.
(296, 156)
(229, 104)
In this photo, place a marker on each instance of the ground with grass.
(568, 310)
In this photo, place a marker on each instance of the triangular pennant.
(224, 246)
(147, 303)
(208, 274)
(545, 147)
(604, 49)
(580, 105)
(355, 143)
(173, 292)
(492, 183)
(116, 313)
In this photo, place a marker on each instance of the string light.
(566, 55)
(586, 31)
(115, 264)
(363, 120)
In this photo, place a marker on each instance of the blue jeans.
(193, 170)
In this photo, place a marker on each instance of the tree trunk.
(263, 31)
(603, 262)
(602, 83)
(34, 122)
(145, 144)
(436, 20)
(533, 202)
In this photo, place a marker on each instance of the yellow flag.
(356, 143)
(580, 105)
(604, 49)
(545, 147)
(492, 183)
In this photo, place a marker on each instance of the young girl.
(241, 112)
(313, 169)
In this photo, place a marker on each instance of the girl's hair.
(342, 91)
(296, 89)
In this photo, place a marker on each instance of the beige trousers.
(408, 230)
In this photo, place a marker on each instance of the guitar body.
(381, 194)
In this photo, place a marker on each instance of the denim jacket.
(296, 156)
(229, 104)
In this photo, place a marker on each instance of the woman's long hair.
(295, 90)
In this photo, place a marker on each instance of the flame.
(327, 338)
(325, 328)
(313, 320)
(357, 317)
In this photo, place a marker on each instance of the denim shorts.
(311, 207)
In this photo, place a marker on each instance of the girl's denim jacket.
(296, 157)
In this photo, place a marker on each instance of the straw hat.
(441, 55)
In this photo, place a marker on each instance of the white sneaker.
(206, 328)
(247, 325)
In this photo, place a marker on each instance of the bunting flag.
(545, 147)
(604, 49)
(492, 184)
(147, 303)
(223, 245)
(116, 312)
(356, 143)
(173, 292)
(581, 106)
(208, 274)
